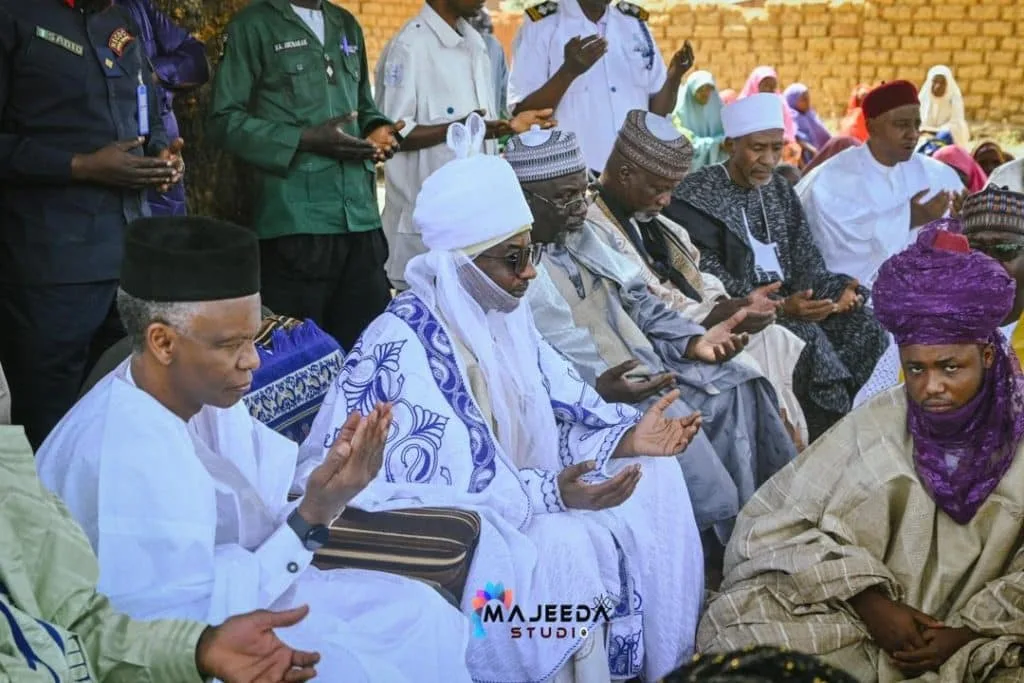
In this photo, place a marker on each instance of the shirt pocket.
(46, 62)
(299, 76)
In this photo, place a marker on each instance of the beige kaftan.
(774, 351)
(850, 513)
(5, 400)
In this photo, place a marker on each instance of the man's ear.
(161, 342)
(729, 145)
(988, 356)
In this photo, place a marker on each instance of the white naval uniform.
(595, 105)
(428, 74)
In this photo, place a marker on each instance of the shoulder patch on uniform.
(631, 10)
(119, 41)
(544, 9)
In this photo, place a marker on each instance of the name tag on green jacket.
(58, 39)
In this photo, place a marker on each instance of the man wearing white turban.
(584, 525)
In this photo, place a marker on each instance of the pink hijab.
(752, 87)
(961, 160)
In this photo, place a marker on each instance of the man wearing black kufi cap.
(184, 495)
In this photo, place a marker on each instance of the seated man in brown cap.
(184, 495)
(644, 166)
(598, 312)
(863, 204)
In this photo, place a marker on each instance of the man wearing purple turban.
(892, 547)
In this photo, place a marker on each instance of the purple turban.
(938, 291)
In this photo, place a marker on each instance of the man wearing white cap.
(488, 417)
(592, 305)
(752, 231)
(649, 160)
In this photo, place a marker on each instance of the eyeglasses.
(519, 259)
(585, 199)
(1000, 251)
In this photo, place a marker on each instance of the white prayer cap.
(474, 199)
(753, 114)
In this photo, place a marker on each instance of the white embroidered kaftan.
(188, 521)
(645, 555)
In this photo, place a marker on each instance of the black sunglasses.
(518, 260)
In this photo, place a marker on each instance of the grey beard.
(645, 217)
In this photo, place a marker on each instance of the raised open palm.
(657, 434)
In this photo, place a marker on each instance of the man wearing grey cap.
(597, 311)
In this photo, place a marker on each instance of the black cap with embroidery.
(189, 259)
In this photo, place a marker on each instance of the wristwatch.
(313, 536)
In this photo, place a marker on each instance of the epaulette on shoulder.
(544, 9)
(631, 10)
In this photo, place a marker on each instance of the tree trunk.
(216, 185)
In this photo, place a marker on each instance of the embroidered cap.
(653, 143)
(544, 154)
(994, 208)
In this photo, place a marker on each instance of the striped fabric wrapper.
(434, 545)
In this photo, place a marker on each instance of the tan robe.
(850, 513)
(774, 351)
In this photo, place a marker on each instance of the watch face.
(317, 537)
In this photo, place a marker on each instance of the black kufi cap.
(183, 259)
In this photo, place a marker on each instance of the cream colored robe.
(850, 513)
(774, 351)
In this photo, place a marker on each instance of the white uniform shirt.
(858, 210)
(428, 74)
(595, 105)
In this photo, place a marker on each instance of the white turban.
(753, 114)
(475, 199)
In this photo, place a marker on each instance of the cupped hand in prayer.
(351, 464)
(583, 53)
(940, 645)
(329, 139)
(924, 212)
(657, 435)
(614, 387)
(803, 306)
(385, 139)
(958, 202)
(850, 299)
(683, 60)
(893, 626)
(721, 342)
(525, 120)
(579, 495)
(245, 649)
(173, 154)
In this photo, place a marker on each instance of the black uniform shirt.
(68, 85)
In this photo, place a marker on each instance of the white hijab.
(946, 111)
(468, 205)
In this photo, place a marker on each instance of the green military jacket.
(54, 626)
(275, 79)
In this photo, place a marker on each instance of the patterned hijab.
(982, 436)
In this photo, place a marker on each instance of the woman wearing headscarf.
(854, 124)
(972, 175)
(991, 156)
(811, 133)
(765, 79)
(698, 115)
(942, 105)
(831, 148)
